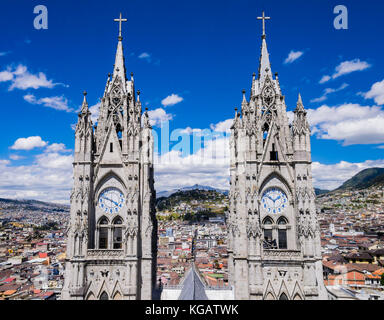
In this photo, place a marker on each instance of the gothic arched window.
(275, 234)
(268, 235)
(104, 296)
(283, 296)
(117, 233)
(103, 233)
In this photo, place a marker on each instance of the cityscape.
(192, 227)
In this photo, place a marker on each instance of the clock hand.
(110, 200)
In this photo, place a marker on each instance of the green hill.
(365, 179)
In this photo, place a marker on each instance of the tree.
(382, 279)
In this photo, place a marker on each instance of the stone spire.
(265, 65)
(84, 107)
(300, 122)
(299, 105)
(119, 69)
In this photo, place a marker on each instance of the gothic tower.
(112, 235)
(274, 235)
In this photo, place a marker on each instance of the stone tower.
(112, 235)
(274, 235)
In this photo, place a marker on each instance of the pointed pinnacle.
(299, 105)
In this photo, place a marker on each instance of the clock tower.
(274, 235)
(112, 234)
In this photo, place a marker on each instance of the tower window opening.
(103, 238)
(111, 147)
(117, 233)
(282, 238)
(265, 132)
(274, 154)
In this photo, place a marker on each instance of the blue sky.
(201, 51)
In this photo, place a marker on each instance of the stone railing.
(105, 254)
(278, 254)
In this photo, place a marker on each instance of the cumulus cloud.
(350, 123)
(223, 126)
(332, 176)
(293, 56)
(57, 103)
(48, 178)
(171, 100)
(347, 67)
(22, 79)
(157, 116)
(208, 166)
(28, 143)
(376, 93)
(57, 147)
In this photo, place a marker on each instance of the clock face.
(274, 200)
(111, 200)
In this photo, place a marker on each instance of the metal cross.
(120, 20)
(263, 18)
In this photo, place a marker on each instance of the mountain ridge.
(364, 179)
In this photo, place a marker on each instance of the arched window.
(117, 233)
(103, 233)
(269, 242)
(275, 234)
(104, 296)
(283, 296)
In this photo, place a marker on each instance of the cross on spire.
(263, 18)
(120, 20)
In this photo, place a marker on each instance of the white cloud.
(145, 56)
(3, 163)
(57, 147)
(328, 91)
(57, 103)
(22, 79)
(208, 166)
(28, 143)
(6, 76)
(347, 67)
(48, 178)
(95, 109)
(350, 123)
(293, 56)
(223, 126)
(171, 100)
(376, 93)
(332, 176)
(15, 157)
(325, 79)
(189, 130)
(157, 116)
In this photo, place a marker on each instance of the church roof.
(193, 287)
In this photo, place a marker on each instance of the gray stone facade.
(112, 236)
(274, 235)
